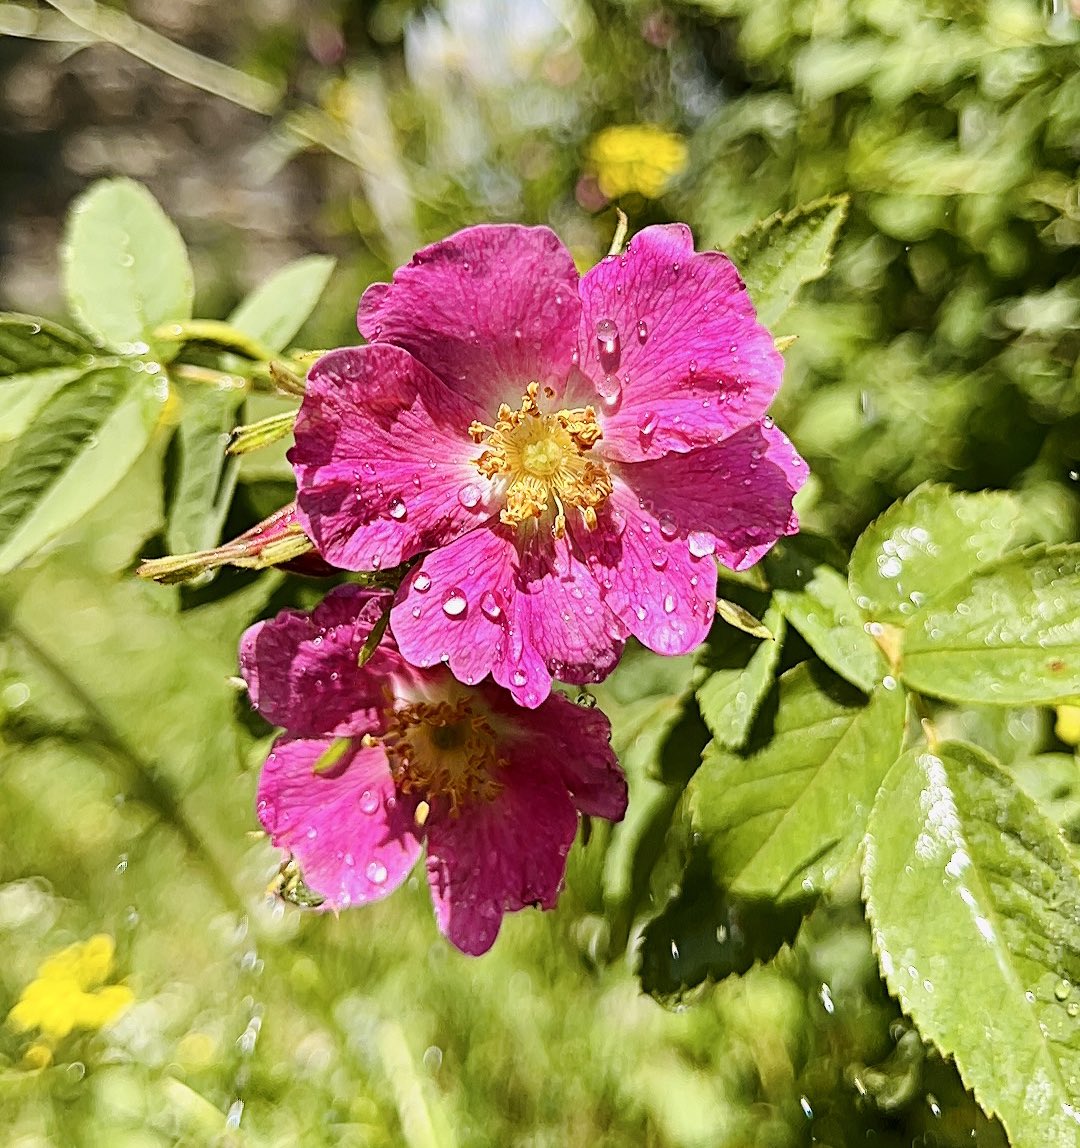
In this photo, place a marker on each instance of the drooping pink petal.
(735, 496)
(692, 363)
(664, 594)
(499, 856)
(383, 459)
(489, 603)
(574, 740)
(353, 837)
(489, 310)
(301, 669)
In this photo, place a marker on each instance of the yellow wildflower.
(1067, 726)
(640, 158)
(68, 993)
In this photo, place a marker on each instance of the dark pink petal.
(523, 612)
(665, 595)
(383, 459)
(499, 856)
(489, 310)
(693, 364)
(736, 495)
(353, 837)
(574, 740)
(301, 669)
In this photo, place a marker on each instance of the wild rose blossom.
(569, 454)
(375, 759)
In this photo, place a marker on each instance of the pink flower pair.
(565, 458)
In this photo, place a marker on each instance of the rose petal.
(382, 458)
(739, 492)
(573, 739)
(499, 856)
(301, 669)
(488, 603)
(665, 595)
(694, 364)
(353, 837)
(489, 310)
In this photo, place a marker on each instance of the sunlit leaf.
(82, 442)
(975, 904)
(923, 545)
(1008, 634)
(782, 820)
(276, 309)
(784, 252)
(126, 270)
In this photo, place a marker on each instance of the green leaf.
(923, 545)
(202, 484)
(1052, 780)
(126, 270)
(1008, 633)
(735, 672)
(954, 845)
(276, 310)
(80, 445)
(783, 820)
(37, 358)
(782, 253)
(815, 600)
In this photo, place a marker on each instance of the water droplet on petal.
(416, 611)
(642, 330)
(369, 801)
(700, 543)
(648, 424)
(454, 602)
(422, 582)
(469, 495)
(397, 509)
(375, 872)
(489, 604)
(692, 366)
(669, 604)
(668, 526)
(519, 677)
(609, 388)
(607, 345)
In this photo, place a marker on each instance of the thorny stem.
(139, 775)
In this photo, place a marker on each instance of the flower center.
(542, 458)
(439, 749)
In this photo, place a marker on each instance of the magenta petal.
(693, 363)
(489, 310)
(499, 856)
(482, 606)
(665, 595)
(739, 492)
(301, 669)
(382, 458)
(353, 837)
(573, 739)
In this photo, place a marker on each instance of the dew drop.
(669, 604)
(490, 606)
(668, 527)
(519, 677)
(469, 495)
(607, 345)
(376, 872)
(369, 801)
(804, 1104)
(609, 388)
(647, 426)
(692, 366)
(422, 582)
(659, 558)
(397, 509)
(454, 602)
(642, 330)
(700, 543)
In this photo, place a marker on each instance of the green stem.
(214, 331)
(139, 775)
(208, 377)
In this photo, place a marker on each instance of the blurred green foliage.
(942, 346)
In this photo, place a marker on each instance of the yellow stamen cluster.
(443, 750)
(542, 457)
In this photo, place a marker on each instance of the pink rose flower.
(375, 759)
(568, 453)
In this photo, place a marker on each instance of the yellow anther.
(542, 459)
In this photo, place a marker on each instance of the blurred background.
(942, 345)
